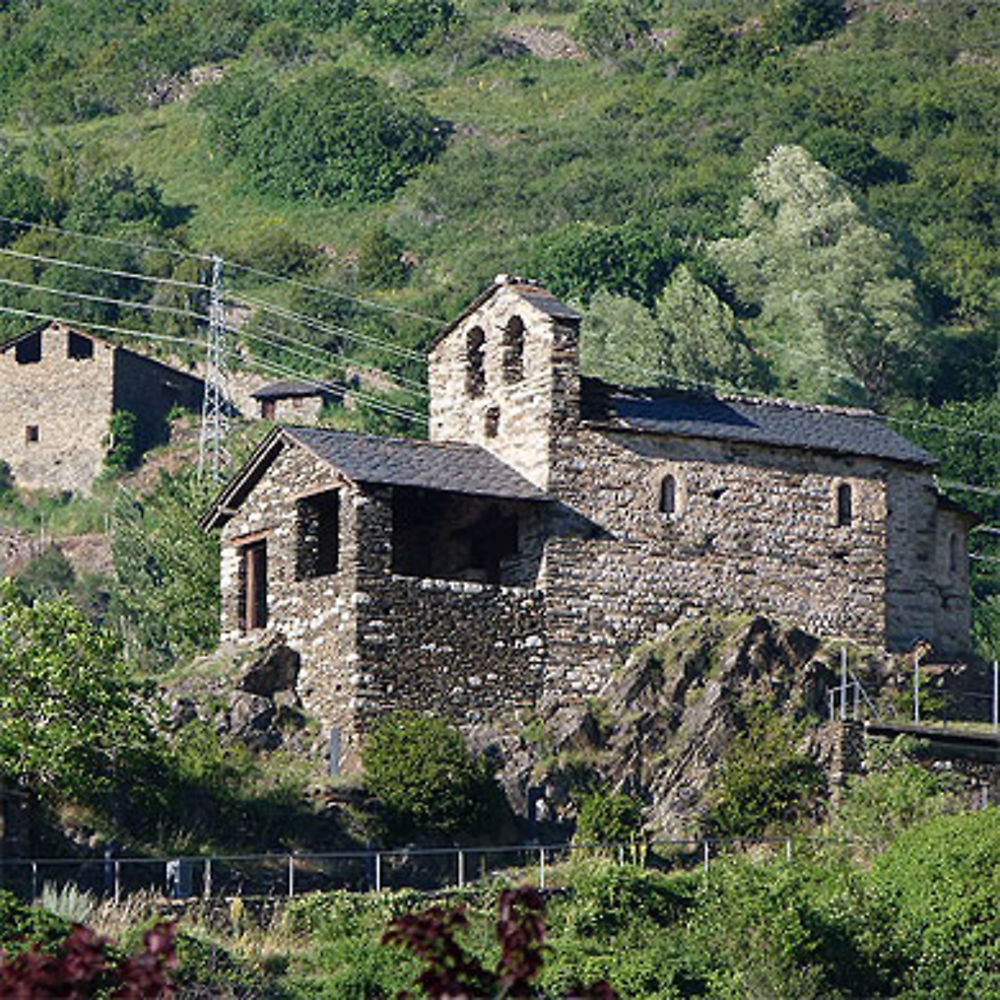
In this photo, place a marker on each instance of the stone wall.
(67, 401)
(316, 616)
(370, 640)
(513, 411)
(754, 529)
(150, 389)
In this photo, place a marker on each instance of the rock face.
(261, 708)
(667, 718)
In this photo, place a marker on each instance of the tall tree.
(838, 310)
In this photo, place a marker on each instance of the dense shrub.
(795, 22)
(630, 260)
(764, 783)
(608, 818)
(425, 775)
(607, 27)
(942, 883)
(705, 41)
(121, 442)
(402, 25)
(339, 135)
(380, 263)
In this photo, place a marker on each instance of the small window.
(953, 553)
(318, 550)
(29, 350)
(668, 495)
(845, 505)
(267, 409)
(475, 371)
(492, 422)
(31, 434)
(253, 586)
(79, 347)
(513, 350)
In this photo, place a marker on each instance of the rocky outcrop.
(668, 716)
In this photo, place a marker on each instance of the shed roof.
(290, 388)
(458, 468)
(446, 466)
(757, 421)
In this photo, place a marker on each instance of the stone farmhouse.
(553, 521)
(58, 389)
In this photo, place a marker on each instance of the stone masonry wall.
(513, 418)
(755, 529)
(316, 616)
(928, 596)
(150, 389)
(372, 641)
(68, 401)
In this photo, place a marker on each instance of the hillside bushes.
(339, 135)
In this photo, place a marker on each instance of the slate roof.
(458, 468)
(758, 421)
(289, 388)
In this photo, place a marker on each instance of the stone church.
(553, 521)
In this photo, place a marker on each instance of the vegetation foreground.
(922, 919)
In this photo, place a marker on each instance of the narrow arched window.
(513, 350)
(475, 371)
(953, 553)
(491, 424)
(845, 505)
(668, 495)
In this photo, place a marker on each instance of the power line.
(105, 239)
(104, 299)
(369, 303)
(72, 321)
(373, 401)
(287, 370)
(77, 265)
(324, 327)
(321, 354)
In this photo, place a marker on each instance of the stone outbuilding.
(58, 389)
(294, 401)
(553, 521)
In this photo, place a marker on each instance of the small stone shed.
(554, 521)
(58, 389)
(294, 401)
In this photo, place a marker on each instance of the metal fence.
(290, 875)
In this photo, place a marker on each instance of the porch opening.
(317, 551)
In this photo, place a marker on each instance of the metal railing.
(375, 870)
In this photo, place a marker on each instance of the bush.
(380, 263)
(400, 25)
(796, 22)
(942, 881)
(705, 41)
(764, 783)
(337, 136)
(608, 27)
(425, 775)
(630, 260)
(608, 818)
(121, 442)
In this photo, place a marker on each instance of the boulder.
(274, 667)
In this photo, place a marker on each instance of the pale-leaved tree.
(839, 314)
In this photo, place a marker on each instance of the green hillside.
(827, 175)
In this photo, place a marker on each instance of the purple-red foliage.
(81, 970)
(451, 974)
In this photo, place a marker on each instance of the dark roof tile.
(457, 468)
(768, 422)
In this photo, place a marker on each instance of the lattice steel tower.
(213, 458)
